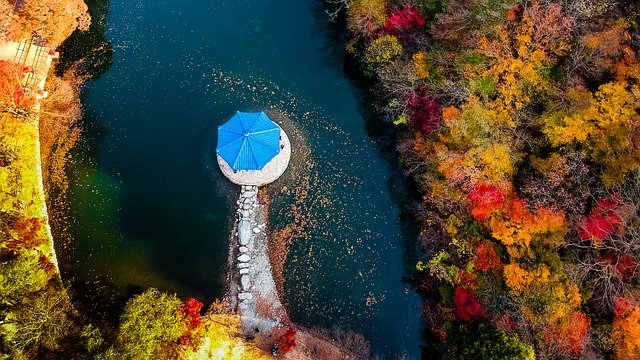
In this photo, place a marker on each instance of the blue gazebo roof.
(248, 141)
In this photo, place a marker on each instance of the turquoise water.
(148, 206)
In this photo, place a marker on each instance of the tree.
(44, 321)
(570, 336)
(626, 329)
(467, 305)
(54, 20)
(382, 50)
(605, 123)
(365, 16)
(149, 320)
(13, 97)
(486, 343)
(20, 276)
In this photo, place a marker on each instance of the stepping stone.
(244, 249)
(243, 239)
(245, 296)
(244, 271)
(243, 265)
(256, 230)
(244, 282)
(248, 194)
(244, 258)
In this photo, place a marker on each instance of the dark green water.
(148, 206)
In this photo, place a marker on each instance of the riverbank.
(31, 281)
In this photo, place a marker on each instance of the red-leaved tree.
(191, 311)
(486, 199)
(424, 110)
(601, 222)
(12, 95)
(403, 19)
(486, 258)
(467, 305)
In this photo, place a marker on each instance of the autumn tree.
(604, 122)
(44, 321)
(366, 16)
(486, 342)
(148, 321)
(626, 329)
(20, 275)
(13, 97)
(53, 20)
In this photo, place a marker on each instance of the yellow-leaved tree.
(604, 123)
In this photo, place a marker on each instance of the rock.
(244, 249)
(244, 271)
(256, 230)
(246, 207)
(244, 258)
(245, 296)
(244, 282)
(243, 265)
(245, 214)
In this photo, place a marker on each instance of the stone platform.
(269, 173)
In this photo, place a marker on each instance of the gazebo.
(252, 149)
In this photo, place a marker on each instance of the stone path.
(253, 289)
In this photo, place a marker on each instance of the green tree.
(20, 276)
(44, 321)
(149, 320)
(383, 50)
(486, 343)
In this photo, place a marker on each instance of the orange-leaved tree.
(626, 329)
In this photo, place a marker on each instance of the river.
(147, 206)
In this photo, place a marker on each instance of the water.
(149, 208)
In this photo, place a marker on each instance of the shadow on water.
(88, 53)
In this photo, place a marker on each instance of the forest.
(517, 122)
